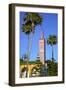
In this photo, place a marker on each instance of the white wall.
(4, 45)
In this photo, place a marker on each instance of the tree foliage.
(52, 40)
(31, 20)
(52, 68)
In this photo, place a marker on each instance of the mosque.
(41, 55)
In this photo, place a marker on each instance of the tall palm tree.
(52, 40)
(26, 28)
(31, 20)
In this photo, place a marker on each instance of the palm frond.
(52, 40)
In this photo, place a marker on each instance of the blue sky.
(49, 27)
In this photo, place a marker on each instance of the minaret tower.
(42, 47)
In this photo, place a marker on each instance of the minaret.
(42, 47)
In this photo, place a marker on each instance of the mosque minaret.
(42, 47)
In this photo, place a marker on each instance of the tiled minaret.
(42, 47)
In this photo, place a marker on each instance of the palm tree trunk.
(28, 54)
(29, 47)
(52, 53)
(32, 26)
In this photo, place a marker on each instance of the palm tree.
(52, 40)
(34, 19)
(31, 20)
(26, 28)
